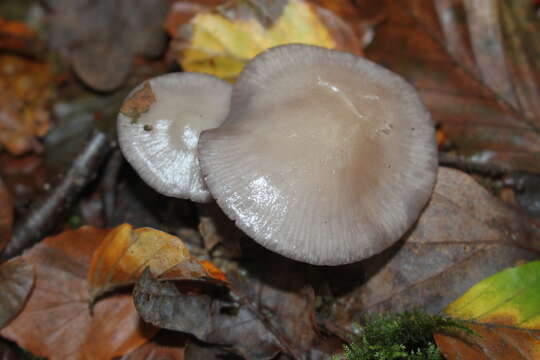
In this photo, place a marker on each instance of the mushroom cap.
(159, 127)
(325, 157)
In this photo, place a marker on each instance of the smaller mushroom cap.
(325, 157)
(159, 126)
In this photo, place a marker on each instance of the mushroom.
(159, 126)
(325, 157)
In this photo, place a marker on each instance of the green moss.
(402, 336)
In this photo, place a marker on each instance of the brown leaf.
(6, 216)
(463, 236)
(162, 304)
(274, 310)
(125, 253)
(475, 68)
(25, 95)
(56, 321)
(101, 37)
(16, 283)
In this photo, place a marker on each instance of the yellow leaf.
(221, 44)
(125, 253)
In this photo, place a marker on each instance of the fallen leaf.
(463, 236)
(16, 283)
(56, 321)
(6, 216)
(273, 310)
(476, 68)
(100, 37)
(221, 40)
(125, 253)
(26, 91)
(503, 311)
(206, 318)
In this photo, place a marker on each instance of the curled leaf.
(208, 319)
(270, 311)
(125, 253)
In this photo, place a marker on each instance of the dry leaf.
(205, 317)
(26, 89)
(16, 283)
(220, 41)
(476, 67)
(6, 216)
(503, 311)
(56, 321)
(125, 253)
(463, 236)
(274, 309)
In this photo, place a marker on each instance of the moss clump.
(408, 335)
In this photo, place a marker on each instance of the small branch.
(47, 213)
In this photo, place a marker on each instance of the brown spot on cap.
(139, 102)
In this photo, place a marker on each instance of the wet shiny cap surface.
(325, 157)
(159, 126)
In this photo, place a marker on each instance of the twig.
(47, 213)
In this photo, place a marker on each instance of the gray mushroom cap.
(325, 157)
(159, 126)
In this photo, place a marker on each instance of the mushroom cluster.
(317, 154)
